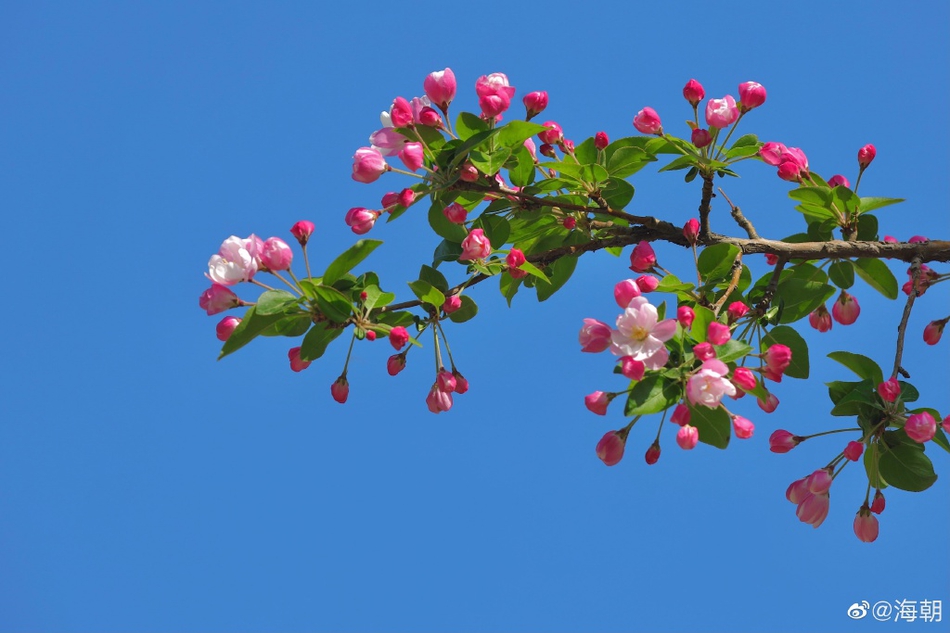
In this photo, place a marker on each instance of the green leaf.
(714, 425)
(790, 337)
(815, 212)
(560, 271)
(617, 193)
(467, 125)
(586, 152)
(841, 273)
(446, 251)
(905, 467)
(348, 260)
(521, 174)
(734, 349)
(427, 293)
(909, 392)
(434, 277)
(852, 402)
(863, 366)
(626, 161)
(514, 134)
(871, 466)
(845, 200)
(496, 229)
(440, 224)
(799, 298)
(376, 298)
(333, 303)
(316, 341)
(704, 316)
(467, 311)
(490, 163)
(877, 275)
(682, 162)
(591, 173)
(867, 228)
(819, 196)
(531, 269)
(671, 283)
(294, 325)
(509, 287)
(838, 389)
(653, 394)
(940, 439)
(871, 203)
(247, 330)
(275, 302)
(716, 261)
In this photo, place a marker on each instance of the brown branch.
(740, 219)
(902, 328)
(705, 208)
(769, 294)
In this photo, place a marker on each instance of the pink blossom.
(704, 351)
(468, 173)
(681, 415)
(625, 291)
(721, 112)
(400, 113)
(736, 311)
(632, 368)
(398, 337)
(920, 427)
(652, 455)
(302, 230)
(412, 156)
(547, 150)
(700, 137)
(455, 213)
(742, 427)
(440, 87)
(445, 381)
(685, 316)
(296, 363)
(406, 197)
(838, 181)
(933, 331)
(515, 259)
(771, 153)
(389, 201)
(813, 509)
(597, 402)
(494, 94)
(438, 401)
(691, 230)
(708, 385)
(647, 283)
(693, 92)
(387, 141)
(360, 220)
(452, 304)
(368, 165)
(789, 171)
(918, 239)
(276, 255)
(751, 95)
(797, 491)
(771, 259)
(687, 437)
(846, 309)
(552, 135)
(743, 378)
(640, 335)
(430, 118)
(770, 404)
(718, 333)
(778, 357)
(890, 239)
(866, 526)
(782, 441)
(535, 103)
(601, 140)
(877, 506)
(610, 448)
(819, 482)
(475, 246)
(461, 384)
(853, 451)
(647, 121)
(395, 364)
(340, 389)
(237, 260)
(532, 149)
(217, 299)
(889, 390)
(594, 336)
(569, 223)
(225, 327)
(820, 319)
(642, 259)
(865, 155)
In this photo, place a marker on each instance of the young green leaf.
(348, 260)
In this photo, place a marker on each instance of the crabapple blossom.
(751, 95)
(813, 509)
(693, 92)
(687, 437)
(632, 368)
(395, 364)
(838, 181)
(653, 454)
(933, 331)
(700, 137)
(225, 327)
(368, 165)
(643, 258)
(819, 482)
(515, 259)
(494, 94)
(440, 87)
(866, 526)
(446, 381)
(921, 427)
(296, 363)
(625, 291)
(452, 304)
(569, 223)
(721, 113)
(340, 389)
(535, 103)
(430, 118)
(597, 402)
(742, 427)
(846, 309)
(302, 230)
(468, 172)
(594, 336)
(797, 491)
(681, 415)
(438, 401)
(601, 140)
(552, 135)
(781, 441)
(400, 114)
(640, 335)
(360, 220)
(276, 255)
(736, 311)
(455, 213)
(743, 378)
(217, 299)
(771, 153)
(777, 358)
(412, 156)
(704, 351)
(889, 390)
(770, 404)
(708, 385)
(877, 505)
(610, 448)
(718, 333)
(820, 319)
(398, 337)
(647, 283)
(475, 246)
(237, 260)
(865, 155)
(691, 230)
(685, 316)
(461, 384)
(647, 121)
(853, 450)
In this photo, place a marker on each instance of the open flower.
(708, 386)
(640, 336)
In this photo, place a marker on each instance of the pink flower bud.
(653, 454)
(632, 368)
(276, 255)
(771, 259)
(569, 223)
(681, 415)
(813, 509)
(368, 165)
(493, 106)
(532, 149)
(700, 137)
(877, 506)
(642, 259)
(610, 448)
(535, 103)
(340, 390)
(390, 201)
(782, 441)
(370, 335)
(515, 258)
(890, 239)
(360, 220)
(819, 482)
(946, 424)
(455, 213)
(751, 95)
(920, 427)
(601, 140)
(797, 491)
(778, 357)
(302, 230)
(647, 121)
(933, 331)
(820, 319)
(552, 135)
(398, 337)
(687, 437)
(401, 113)
(685, 316)
(226, 326)
(406, 197)
(296, 363)
(771, 153)
(625, 292)
(704, 351)
(461, 384)
(918, 239)
(594, 336)
(440, 87)
(736, 311)
(789, 171)
(691, 230)
(438, 401)
(647, 283)
(768, 405)
(547, 150)
(452, 304)
(468, 173)
(445, 381)
(395, 364)
(567, 146)
(742, 427)
(718, 333)
(889, 390)
(866, 526)
(853, 451)
(475, 246)
(597, 402)
(412, 156)
(865, 155)
(838, 181)
(693, 92)
(743, 378)
(846, 309)
(430, 118)
(217, 299)
(721, 112)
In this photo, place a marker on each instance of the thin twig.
(740, 219)
(766, 300)
(902, 328)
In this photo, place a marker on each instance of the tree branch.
(902, 328)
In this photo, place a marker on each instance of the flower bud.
(820, 319)
(704, 351)
(515, 259)
(819, 482)
(681, 415)
(455, 213)
(918, 239)
(610, 448)
(601, 141)
(751, 95)
(547, 150)
(632, 368)
(567, 146)
(552, 135)
(296, 363)
(718, 333)
(890, 239)
(921, 427)
(865, 155)
(597, 402)
(475, 246)
(838, 181)
(744, 379)
(217, 299)
(652, 454)
(440, 87)
(687, 437)
(700, 137)
(742, 427)
(340, 389)
(360, 220)
(412, 156)
(438, 401)
(226, 327)
(535, 103)
(933, 331)
(468, 172)
(846, 309)
(395, 364)
(400, 114)
(771, 259)
(866, 526)
(643, 258)
(782, 441)
(370, 335)
(461, 384)
(398, 337)
(594, 336)
(777, 358)
(302, 230)
(406, 197)
(813, 509)
(625, 292)
(368, 165)
(797, 491)
(452, 304)
(853, 451)
(647, 121)
(430, 118)
(691, 230)
(877, 506)
(736, 311)
(768, 405)
(647, 283)
(889, 390)
(693, 92)
(721, 112)
(569, 223)
(276, 255)
(445, 381)
(685, 316)
(389, 201)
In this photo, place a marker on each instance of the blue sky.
(145, 486)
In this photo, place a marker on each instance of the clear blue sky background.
(145, 486)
